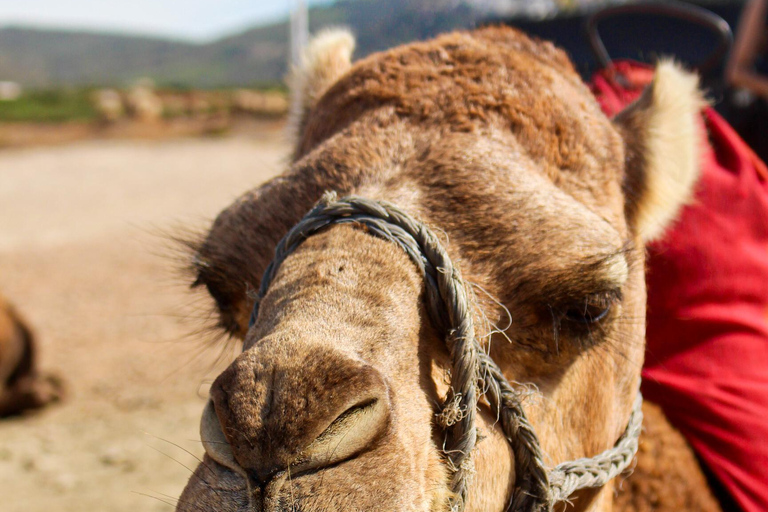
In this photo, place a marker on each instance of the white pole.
(299, 28)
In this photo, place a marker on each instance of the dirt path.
(81, 257)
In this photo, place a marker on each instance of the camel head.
(492, 140)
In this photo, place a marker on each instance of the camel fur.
(492, 139)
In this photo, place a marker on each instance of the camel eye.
(592, 309)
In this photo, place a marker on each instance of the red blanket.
(707, 336)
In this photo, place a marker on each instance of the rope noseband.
(537, 489)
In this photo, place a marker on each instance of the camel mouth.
(215, 442)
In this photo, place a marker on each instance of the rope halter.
(537, 488)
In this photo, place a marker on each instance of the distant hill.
(53, 58)
(46, 58)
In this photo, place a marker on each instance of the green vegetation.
(49, 106)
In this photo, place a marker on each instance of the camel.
(22, 387)
(491, 139)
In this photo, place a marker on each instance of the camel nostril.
(347, 419)
(352, 432)
(268, 416)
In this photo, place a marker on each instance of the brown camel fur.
(22, 388)
(492, 139)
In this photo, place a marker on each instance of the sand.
(83, 256)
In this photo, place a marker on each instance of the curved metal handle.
(686, 12)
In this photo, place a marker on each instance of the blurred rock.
(64, 482)
(260, 103)
(9, 91)
(143, 103)
(118, 457)
(109, 104)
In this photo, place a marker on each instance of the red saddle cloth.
(706, 361)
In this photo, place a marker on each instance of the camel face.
(493, 141)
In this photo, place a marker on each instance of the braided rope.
(536, 489)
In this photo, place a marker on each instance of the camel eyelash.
(591, 309)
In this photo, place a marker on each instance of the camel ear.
(663, 138)
(326, 58)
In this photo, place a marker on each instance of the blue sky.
(185, 19)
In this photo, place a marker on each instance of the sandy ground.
(82, 258)
(32, 134)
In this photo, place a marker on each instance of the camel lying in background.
(21, 386)
(492, 139)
